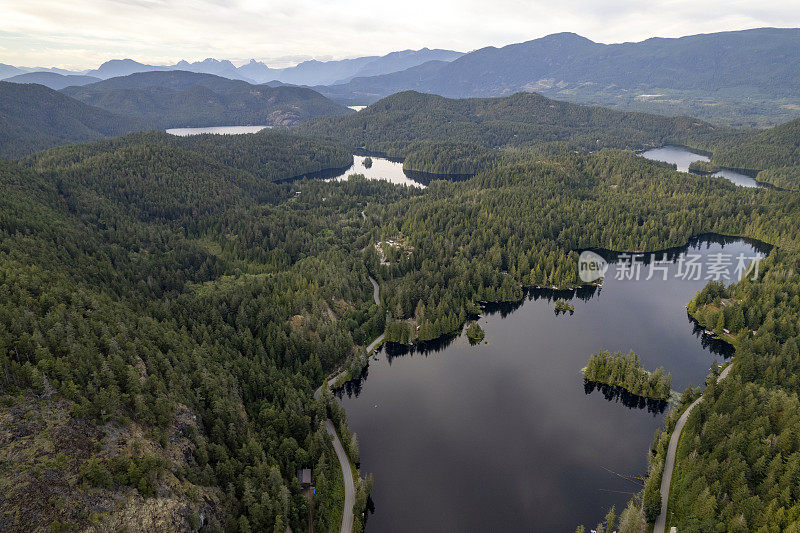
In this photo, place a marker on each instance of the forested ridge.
(189, 99)
(407, 122)
(33, 117)
(773, 153)
(267, 155)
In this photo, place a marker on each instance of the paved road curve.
(376, 292)
(347, 474)
(669, 463)
(344, 462)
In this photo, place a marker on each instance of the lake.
(683, 157)
(504, 436)
(219, 130)
(381, 169)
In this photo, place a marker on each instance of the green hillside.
(33, 117)
(185, 99)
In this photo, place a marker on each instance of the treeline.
(142, 276)
(625, 370)
(742, 452)
(775, 153)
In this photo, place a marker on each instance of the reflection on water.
(218, 130)
(629, 400)
(381, 169)
(503, 436)
(682, 157)
(677, 155)
(356, 107)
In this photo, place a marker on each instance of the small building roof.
(304, 476)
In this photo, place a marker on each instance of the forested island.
(475, 333)
(563, 306)
(625, 370)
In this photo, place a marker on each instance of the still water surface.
(683, 157)
(219, 130)
(504, 436)
(381, 169)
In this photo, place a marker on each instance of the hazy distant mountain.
(223, 68)
(34, 117)
(309, 73)
(177, 80)
(52, 80)
(121, 67)
(185, 99)
(335, 72)
(6, 71)
(306, 73)
(689, 74)
(397, 61)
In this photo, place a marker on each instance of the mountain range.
(739, 74)
(741, 78)
(311, 72)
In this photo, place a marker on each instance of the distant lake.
(219, 130)
(381, 169)
(505, 436)
(683, 157)
(356, 107)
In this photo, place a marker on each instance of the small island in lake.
(563, 306)
(475, 333)
(625, 371)
(703, 167)
(368, 162)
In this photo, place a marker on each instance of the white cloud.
(84, 33)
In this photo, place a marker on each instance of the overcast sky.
(81, 34)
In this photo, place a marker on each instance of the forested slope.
(164, 321)
(403, 123)
(181, 99)
(268, 154)
(33, 117)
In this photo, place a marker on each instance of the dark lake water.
(504, 436)
(683, 157)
